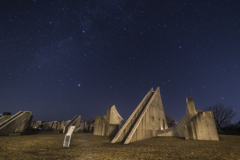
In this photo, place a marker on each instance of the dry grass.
(86, 146)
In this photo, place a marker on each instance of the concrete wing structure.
(54, 126)
(144, 122)
(100, 126)
(196, 125)
(12, 123)
(74, 122)
(24, 125)
(60, 126)
(202, 127)
(4, 118)
(109, 124)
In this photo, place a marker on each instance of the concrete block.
(108, 125)
(144, 121)
(4, 118)
(60, 126)
(12, 123)
(202, 127)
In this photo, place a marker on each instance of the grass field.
(46, 145)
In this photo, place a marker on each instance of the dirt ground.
(46, 145)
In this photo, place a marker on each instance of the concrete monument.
(74, 122)
(144, 122)
(54, 126)
(195, 125)
(23, 126)
(82, 128)
(109, 124)
(60, 126)
(12, 123)
(4, 118)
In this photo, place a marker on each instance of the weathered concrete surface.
(54, 125)
(195, 125)
(4, 118)
(10, 125)
(114, 117)
(24, 125)
(202, 127)
(146, 119)
(74, 122)
(60, 126)
(108, 125)
(100, 126)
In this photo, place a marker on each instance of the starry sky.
(62, 58)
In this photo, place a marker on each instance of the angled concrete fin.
(146, 119)
(108, 125)
(75, 121)
(4, 118)
(12, 123)
(113, 116)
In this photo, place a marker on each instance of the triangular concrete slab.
(144, 122)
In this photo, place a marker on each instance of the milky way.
(63, 58)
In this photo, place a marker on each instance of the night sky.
(62, 58)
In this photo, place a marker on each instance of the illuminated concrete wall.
(109, 124)
(24, 125)
(60, 126)
(202, 127)
(144, 122)
(12, 123)
(4, 118)
(195, 125)
(74, 122)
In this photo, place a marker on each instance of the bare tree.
(170, 121)
(222, 115)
